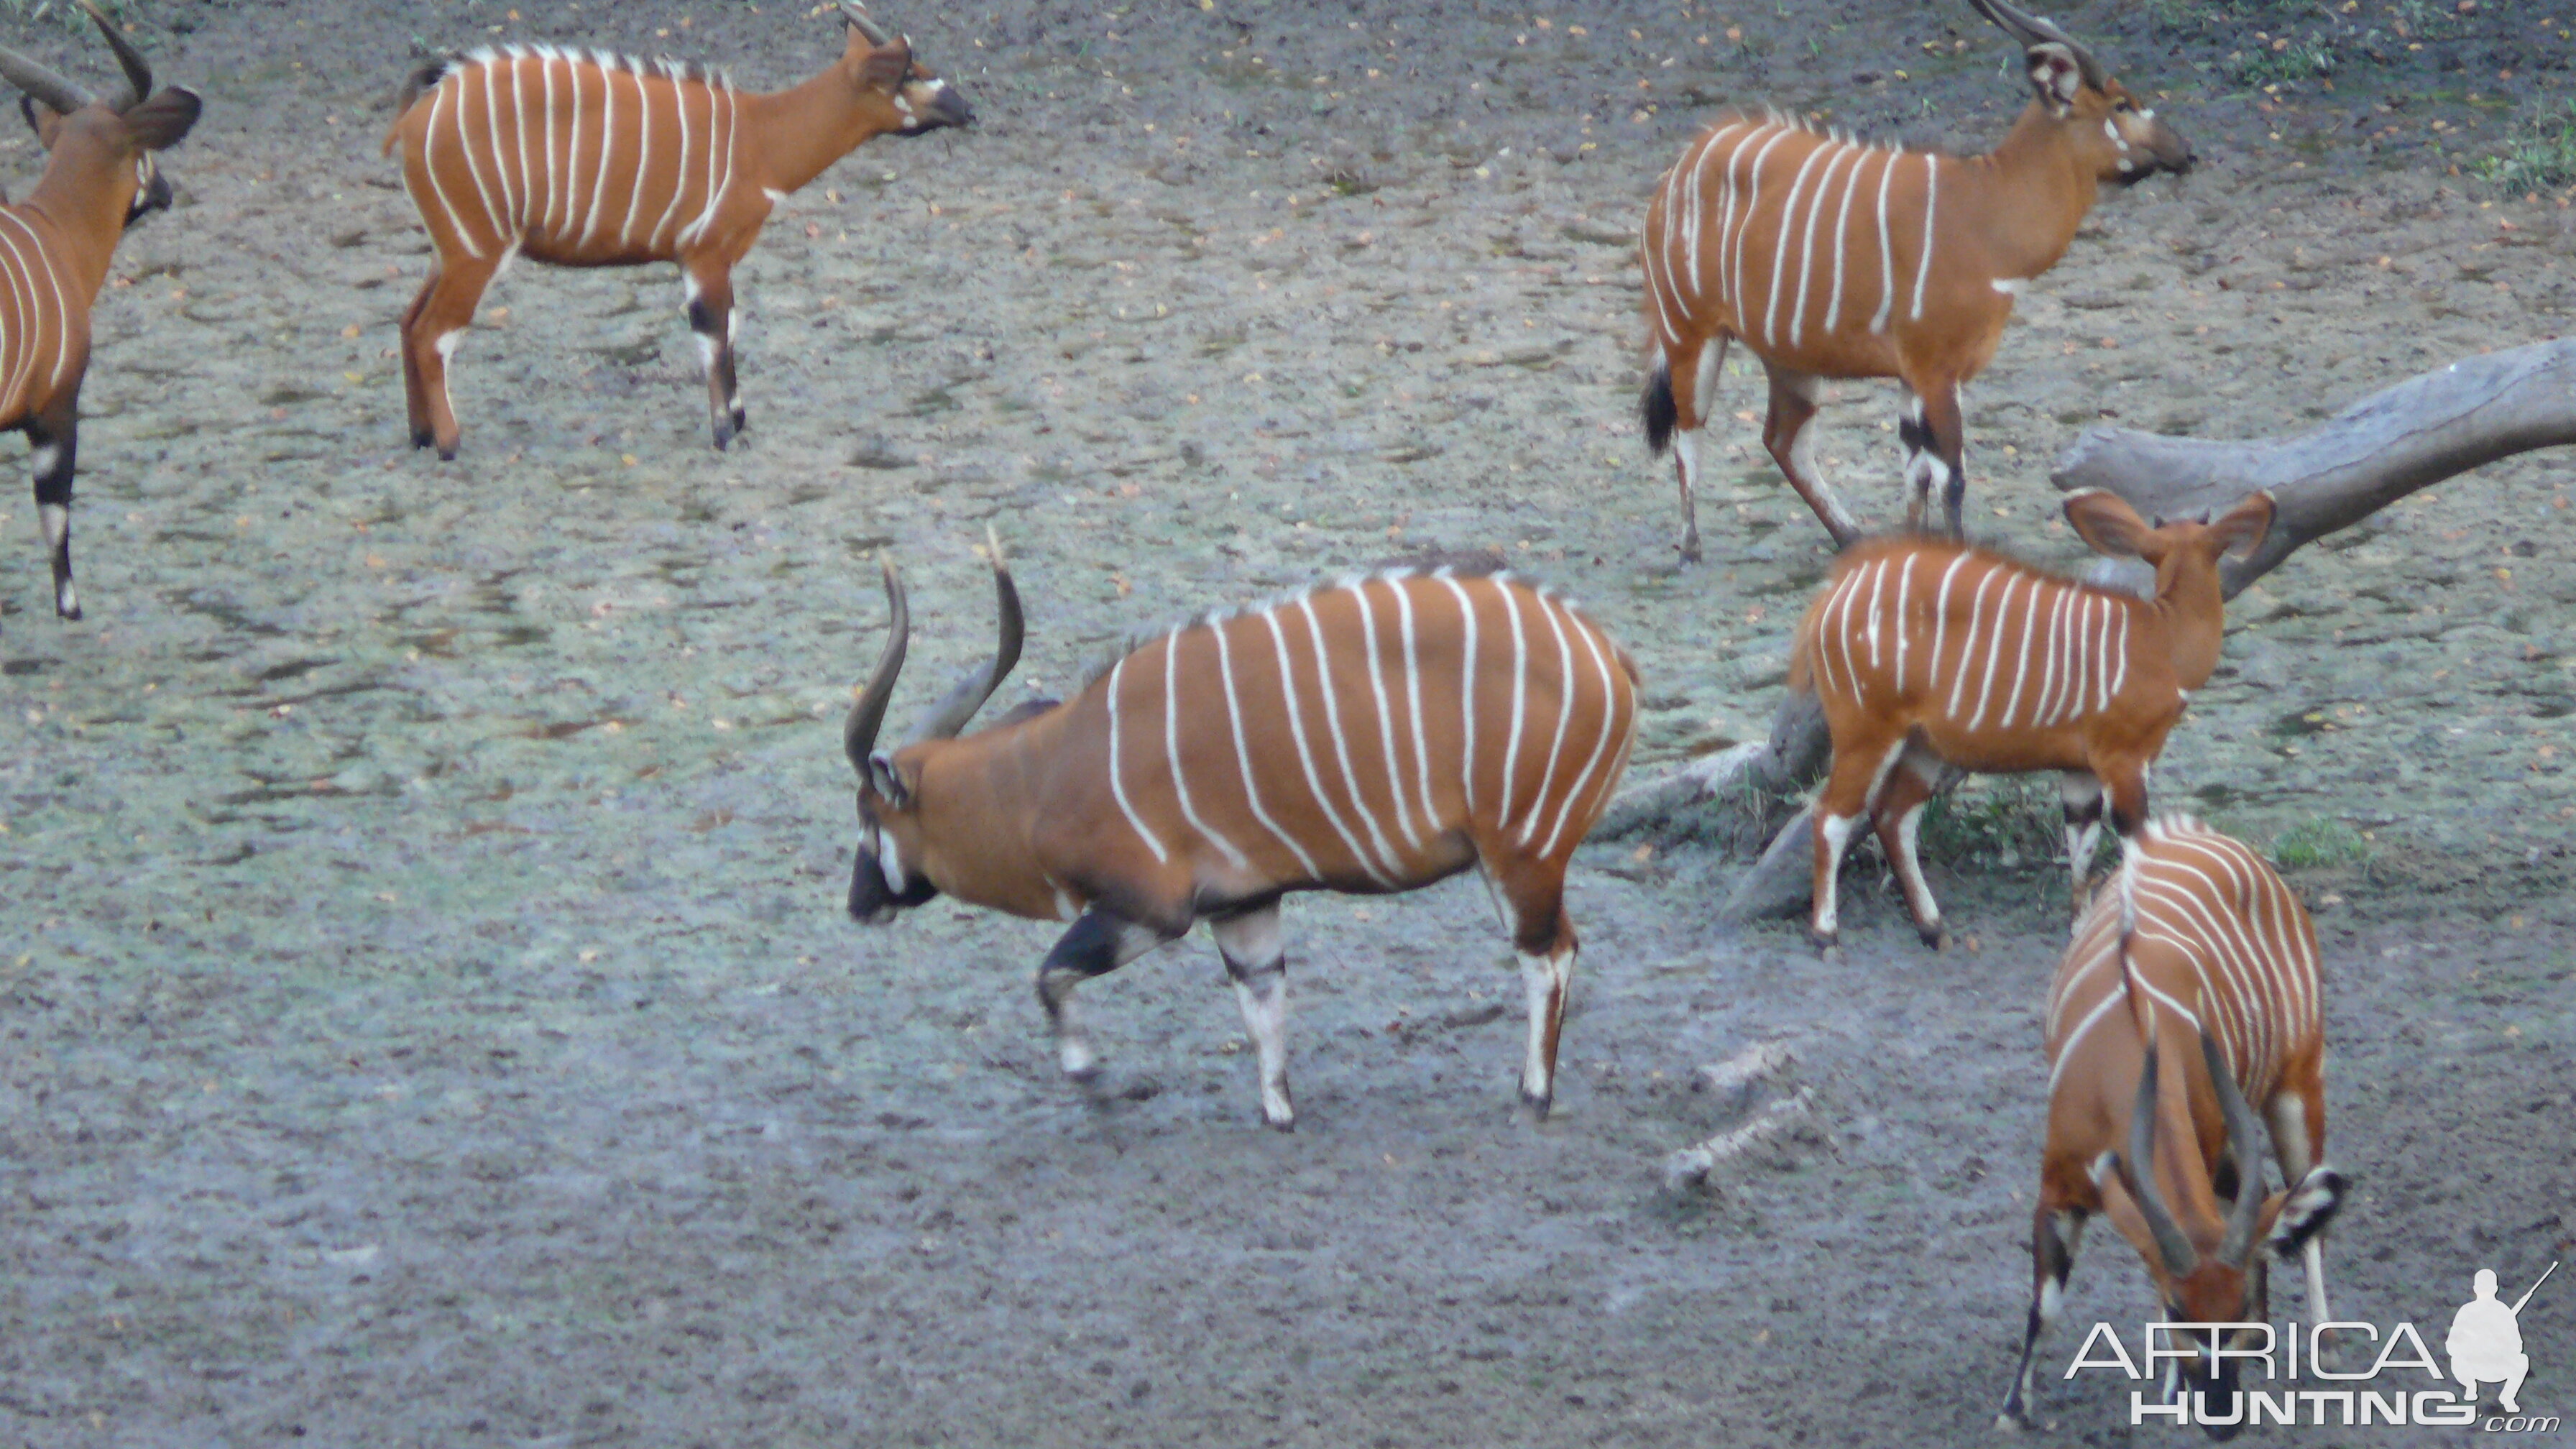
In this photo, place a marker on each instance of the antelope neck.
(2029, 194)
(796, 134)
(983, 791)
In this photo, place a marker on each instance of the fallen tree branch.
(1730, 798)
(1692, 1166)
(2378, 450)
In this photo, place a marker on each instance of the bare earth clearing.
(429, 1013)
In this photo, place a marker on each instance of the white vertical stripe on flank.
(1520, 700)
(2065, 697)
(2100, 662)
(1726, 219)
(509, 220)
(1807, 238)
(1385, 712)
(62, 306)
(429, 173)
(2120, 650)
(1842, 235)
(1886, 251)
(2004, 628)
(606, 143)
(1564, 716)
(1968, 641)
(1466, 688)
(719, 154)
(473, 167)
(1698, 190)
(1780, 243)
(1305, 756)
(1413, 694)
(1172, 751)
(1243, 752)
(1903, 622)
(1118, 772)
(1940, 624)
(528, 212)
(1744, 230)
(643, 157)
(2054, 630)
(18, 340)
(1877, 616)
(1845, 631)
(679, 161)
(2034, 619)
(1341, 742)
(1600, 736)
(1923, 268)
(555, 184)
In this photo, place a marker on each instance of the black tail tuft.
(1655, 408)
(419, 82)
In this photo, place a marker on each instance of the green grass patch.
(2319, 843)
(2540, 155)
(2007, 820)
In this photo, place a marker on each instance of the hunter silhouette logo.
(2225, 1376)
(2485, 1343)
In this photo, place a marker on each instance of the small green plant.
(2281, 63)
(2540, 156)
(2010, 820)
(2319, 843)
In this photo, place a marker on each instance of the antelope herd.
(1394, 728)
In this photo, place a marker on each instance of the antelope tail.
(415, 85)
(1657, 410)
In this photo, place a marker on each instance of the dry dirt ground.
(429, 1016)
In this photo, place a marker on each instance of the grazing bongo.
(587, 159)
(1833, 259)
(2193, 977)
(1927, 653)
(100, 177)
(1370, 736)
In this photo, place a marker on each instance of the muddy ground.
(429, 1014)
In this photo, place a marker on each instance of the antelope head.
(2227, 1283)
(893, 869)
(882, 67)
(2120, 140)
(116, 134)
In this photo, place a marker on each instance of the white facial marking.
(890, 863)
(2111, 129)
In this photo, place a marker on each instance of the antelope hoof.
(68, 611)
(1935, 936)
(1690, 549)
(1278, 1112)
(1828, 943)
(1079, 1064)
(420, 438)
(724, 435)
(1537, 1104)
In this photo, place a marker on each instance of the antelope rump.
(1828, 258)
(1370, 736)
(588, 159)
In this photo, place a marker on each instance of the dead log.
(2423, 430)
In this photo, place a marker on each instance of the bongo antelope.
(1927, 653)
(100, 177)
(587, 159)
(2193, 975)
(1369, 736)
(1828, 258)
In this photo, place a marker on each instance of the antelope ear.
(886, 67)
(2240, 530)
(163, 121)
(2055, 75)
(2106, 523)
(887, 781)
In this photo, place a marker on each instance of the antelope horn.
(859, 735)
(857, 16)
(2139, 1173)
(2244, 1141)
(43, 83)
(967, 695)
(138, 72)
(2031, 30)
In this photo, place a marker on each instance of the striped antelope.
(2197, 940)
(587, 159)
(1833, 259)
(1369, 736)
(1929, 654)
(100, 177)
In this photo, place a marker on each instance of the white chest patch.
(2011, 286)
